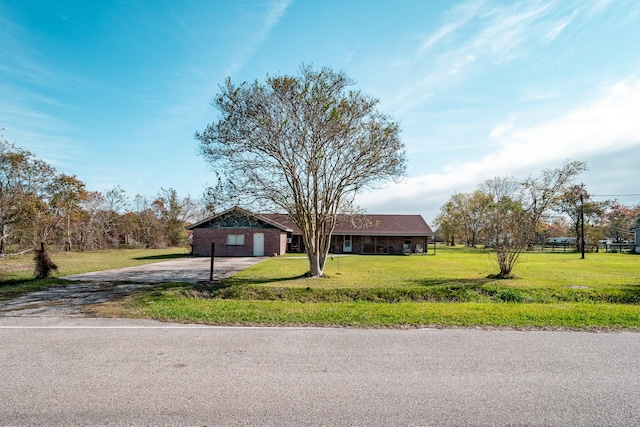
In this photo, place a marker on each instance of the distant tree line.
(40, 205)
(510, 215)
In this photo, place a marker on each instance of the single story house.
(238, 232)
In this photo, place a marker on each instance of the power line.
(615, 195)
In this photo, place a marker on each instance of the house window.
(367, 240)
(235, 239)
(407, 240)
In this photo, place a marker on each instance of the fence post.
(213, 250)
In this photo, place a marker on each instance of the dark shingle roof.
(242, 213)
(358, 225)
(369, 225)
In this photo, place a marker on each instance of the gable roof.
(356, 225)
(239, 212)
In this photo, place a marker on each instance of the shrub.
(44, 265)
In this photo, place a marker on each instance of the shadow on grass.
(248, 281)
(163, 257)
(452, 282)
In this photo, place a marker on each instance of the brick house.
(238, 232)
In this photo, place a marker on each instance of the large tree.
(544, 193)
(67, 194)
(507, 213)
(579, 206)
(304, 144)
(465, 214)
(447, 222)
(23, 180)
(175, 213)
(519, 209)
(620, 222)
(508, 229)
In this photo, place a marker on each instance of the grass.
(551, 290)
(580, 316)
(16, 272)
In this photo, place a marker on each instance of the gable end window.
(235, 239)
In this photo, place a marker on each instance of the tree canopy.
(303, 144)
(507, 214)
(39, 205)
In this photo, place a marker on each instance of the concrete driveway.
(190, 270)
(103, 286)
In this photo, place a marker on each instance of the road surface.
(82, 371)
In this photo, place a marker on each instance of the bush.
(44, 265)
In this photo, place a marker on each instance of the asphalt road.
(82, 371)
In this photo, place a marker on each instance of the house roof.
(243, 213)
(357, 225)
(370, 225)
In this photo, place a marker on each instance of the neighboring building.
(562, 241)
(237, 232)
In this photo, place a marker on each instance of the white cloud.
(272, 17)
(559, 26)
(600, 5)
(436, 37)
(276, 12)
(477, 34)
(603, 125)
(500, 130)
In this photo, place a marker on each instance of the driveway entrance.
(190, 270)
(103, 286)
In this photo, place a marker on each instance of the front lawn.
(557, 290)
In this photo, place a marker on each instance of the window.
(235, 239)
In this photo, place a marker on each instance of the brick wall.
(275, 241)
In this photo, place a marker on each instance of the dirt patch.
(68, 300)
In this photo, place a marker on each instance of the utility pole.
(213, 250)
(582, 224)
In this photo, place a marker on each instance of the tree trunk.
(505, 271)
(67, 244)
(316, 264)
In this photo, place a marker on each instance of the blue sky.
(113, 90)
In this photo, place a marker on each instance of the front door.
(258, 244)
(346, 245)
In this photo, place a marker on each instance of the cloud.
(276, 12)
(457, 18)
(500, 130)
(269, 20)
(603, 125)
(559, 26)
(477, 35)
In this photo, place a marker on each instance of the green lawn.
(16, 272)
(556, 290)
